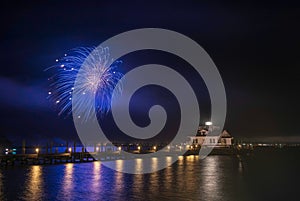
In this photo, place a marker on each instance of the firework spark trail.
(94, 76)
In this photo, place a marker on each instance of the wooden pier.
(108, 155)
(56, 158)
(52, 158)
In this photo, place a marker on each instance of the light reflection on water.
(34, 187)
(214, 178)
(119, 177)
(211, 179)
(1, 187)
(96, 175)
(168, 175)
(68, 182)
(138, 165)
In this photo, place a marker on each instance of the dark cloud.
(16, 95)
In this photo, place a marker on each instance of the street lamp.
(37, 150)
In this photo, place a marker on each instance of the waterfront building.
(208, 136)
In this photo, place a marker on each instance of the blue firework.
(95, 81)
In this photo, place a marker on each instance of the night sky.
(254, 45)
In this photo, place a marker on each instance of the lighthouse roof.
(225, 134)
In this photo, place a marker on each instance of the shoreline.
(84, 157)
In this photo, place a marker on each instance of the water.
(265, 176)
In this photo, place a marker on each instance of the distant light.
(70, 98)
(78, 117)
(208, 123)
(65, 55)
(119, 148)
(70, 149)
(114, 72)
(169, 147)
(139, 147)
(62, 65)
(49, 93)
(6, 149)
(57, 101)
(37, 150)
(154, 147)
(56, 60)
(97, 149)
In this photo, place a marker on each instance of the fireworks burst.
(95, 81)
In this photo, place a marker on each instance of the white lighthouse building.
(203, 137)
